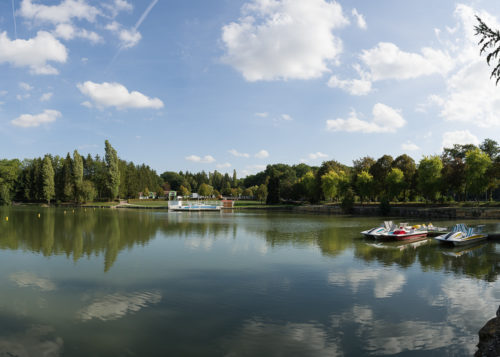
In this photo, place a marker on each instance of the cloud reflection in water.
(387, 282)
(26, 279)
(115, 306)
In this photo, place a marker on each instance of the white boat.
(385, 227)
(461, 235)
(406, 233)
(433, 229)
(189, 206)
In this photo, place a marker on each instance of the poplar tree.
(112, 170)
(48, 179)
(77, 175)
(67, 179)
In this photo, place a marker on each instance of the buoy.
(39, 215)
(64, 211)
(7, 219)
(73, 211)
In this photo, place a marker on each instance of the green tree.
(307, 186)
(88, 191)
(407, 165)
(261, 193)
(273, 189)
(379, 171)
(184, 192)
(77, 176)
(112, 170)
(477, 164)
(453, 173)
(49, 190)
(334, 184)
(205, 190)
(429, 176)
(364, 185)
(395, 182)
(235, 179)
(9, 173)
(67, 184)
(326, 167)
(491, 148)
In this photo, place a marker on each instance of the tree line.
(460, 173)
(74, 178)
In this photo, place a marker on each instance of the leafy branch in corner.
(489, 40)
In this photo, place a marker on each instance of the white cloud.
(56, 14)
(33, 53)
(25, 86)
(385, 120)
(289, 39)
(262, 154)
(286, 117)
(317, 155)
(360, 19)
(461, 137)
(409, 146)
(471, 96)
(207, 159)
(24, 96)
(262, 115)
(46, 96)
(224, 165)
(118, 6)
(29, 120)
(234, 152)
(128, 37)
(352, 86)
(387, 61)
(69, 32)
(117, 95)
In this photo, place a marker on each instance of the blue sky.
(204, 85)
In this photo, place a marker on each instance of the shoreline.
(370, 210)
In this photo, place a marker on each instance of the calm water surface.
(143, 283)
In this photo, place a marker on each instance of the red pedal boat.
(406, 233)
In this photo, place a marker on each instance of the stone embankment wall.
(409, 211)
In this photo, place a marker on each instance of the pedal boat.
(462, 235)
(376, 232)
(406, 233)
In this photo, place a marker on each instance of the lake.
(107, 282)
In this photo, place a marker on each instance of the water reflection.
(35, 341)
(239, 284)
(260, 338)
(27, 279)
(114, 306)
(386, 282)
(86, 233)
(82, 233)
